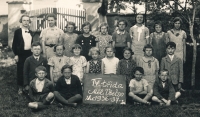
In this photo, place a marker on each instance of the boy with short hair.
(32, 62)
(41, 90)
(163, 90)
(175, 67)
(140, 90)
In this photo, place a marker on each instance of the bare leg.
(62, 99)
(136, 98)
(149, 95)
(75, 98)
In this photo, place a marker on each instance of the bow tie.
(27, 32)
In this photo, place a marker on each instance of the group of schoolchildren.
(145, 78)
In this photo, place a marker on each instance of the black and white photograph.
(100, 58)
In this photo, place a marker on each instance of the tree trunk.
(194, 57)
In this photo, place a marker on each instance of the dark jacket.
(160, 92)
(18, 42)
(40, 96)
(175, 68)
(29, 68)
(73, 89)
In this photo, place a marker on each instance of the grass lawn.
(13, 105)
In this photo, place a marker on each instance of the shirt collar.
(36, 57)
(171, 57)
(25, 30)
(120, 33)
(38, 81)
(68, 79)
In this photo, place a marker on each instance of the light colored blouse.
(110, 65)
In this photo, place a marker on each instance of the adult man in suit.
(22, 47)
(68, 88)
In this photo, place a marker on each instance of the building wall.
(4, 29)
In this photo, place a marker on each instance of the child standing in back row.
(86, 41)
(110, 62)
(103, 39)
(57, 62)
(121, 39)
(94, 65)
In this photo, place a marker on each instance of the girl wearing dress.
(158, 41)
(140, 36)
(94, 65)
(103, 39)
(178, 36)
(57, 62)
(127, 64)
(110, 62)
(86, 41)
(78, 62)
(149, 64)
(50, 36)
(69, 38)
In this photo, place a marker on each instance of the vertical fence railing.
(39, 21)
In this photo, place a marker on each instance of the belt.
(51, 45)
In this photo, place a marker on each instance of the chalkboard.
(104, 89)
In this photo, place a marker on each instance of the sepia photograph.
(100, 58)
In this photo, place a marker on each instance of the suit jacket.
(175, 68)
(161, 92)
(29, 68)
(18, 42)
(73, 89)
(40, 96)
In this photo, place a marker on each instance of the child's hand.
(179, 86)
(164, 100)
(168, 103)
(16, 58)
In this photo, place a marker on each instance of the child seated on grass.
(163, 90)
(41, 90)
(140, 90)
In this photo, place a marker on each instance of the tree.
(189, 10)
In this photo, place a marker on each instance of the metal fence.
(39, 21)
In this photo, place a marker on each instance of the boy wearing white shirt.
(41, 90)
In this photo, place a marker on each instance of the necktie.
(37, 59)
(26, 31)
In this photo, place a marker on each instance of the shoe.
(60, 105)
(148, 103)
(72, 104)
(162, 104)
(33, 105)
